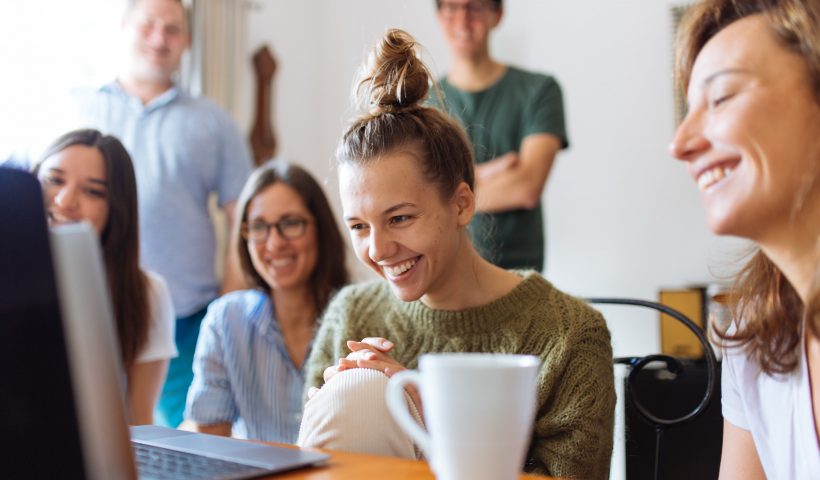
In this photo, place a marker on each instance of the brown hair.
(495, 3)
(392, 92)
(127, 283)
(331, 272)
(770, 308)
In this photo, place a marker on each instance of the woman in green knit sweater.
(406, 179)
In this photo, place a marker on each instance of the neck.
(470, 282)
(294, 306)
(475, 73)
(145, 90)
(795, 249)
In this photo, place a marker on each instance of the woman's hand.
(371, 352)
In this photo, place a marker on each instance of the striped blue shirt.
(243, 374)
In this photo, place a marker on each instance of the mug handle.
(397, 404)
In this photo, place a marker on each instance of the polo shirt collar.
(165, 98)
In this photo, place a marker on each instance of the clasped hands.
(373, 353)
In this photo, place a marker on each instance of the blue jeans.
(171, 403)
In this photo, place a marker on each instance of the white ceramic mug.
(479, 409)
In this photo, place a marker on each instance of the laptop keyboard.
(157, 463)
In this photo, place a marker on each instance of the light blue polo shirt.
(183, 148)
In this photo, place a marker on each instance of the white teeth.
(712, 176)
(282, 262)
(397, 270)
(58, 218)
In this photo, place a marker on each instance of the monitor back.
(61, 380)
(37, 409)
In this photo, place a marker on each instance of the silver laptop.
(159, 452)
(92, 386)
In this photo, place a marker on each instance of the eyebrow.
(728, 71)
(390, 210)
(97, 181)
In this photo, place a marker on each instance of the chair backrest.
(628, 393)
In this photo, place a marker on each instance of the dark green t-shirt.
(497, 120)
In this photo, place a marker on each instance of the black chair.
(673, 365)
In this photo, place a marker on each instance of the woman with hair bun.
(406, 177)
(751, 141)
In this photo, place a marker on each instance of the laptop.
(61, 379)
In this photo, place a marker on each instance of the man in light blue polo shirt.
(183, 149)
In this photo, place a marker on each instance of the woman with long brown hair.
(88, 176)
(249, 366)
(751, 141)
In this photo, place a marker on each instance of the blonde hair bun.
(394, 78)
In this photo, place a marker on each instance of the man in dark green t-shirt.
(515, 121)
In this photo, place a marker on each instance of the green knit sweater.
(572, 436)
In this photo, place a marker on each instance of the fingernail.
(387, 344)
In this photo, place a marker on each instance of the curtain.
(217, 55)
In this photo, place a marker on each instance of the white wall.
(624, 219)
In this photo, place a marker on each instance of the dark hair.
(331, 272)
(392, 93)
(768, 311)
(127, 283)
(496, 3)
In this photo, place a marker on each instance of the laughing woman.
(88, 176)
(249, 361)
(406, 177)
(751, 140)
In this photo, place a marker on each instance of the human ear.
(499, 14)
(464, 202)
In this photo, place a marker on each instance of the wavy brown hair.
(771, 310)
(391, 93)
(331, 272)
(127, 283)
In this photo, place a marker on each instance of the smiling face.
(400, 227)
(284, 264)
(75, 187)
(751, 137)
(467, 24)
(157, 35)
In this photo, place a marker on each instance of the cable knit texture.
(572, 435)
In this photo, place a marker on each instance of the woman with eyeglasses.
(248, 366)
(514, 120)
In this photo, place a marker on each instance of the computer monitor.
(62, 406)
(61, 398)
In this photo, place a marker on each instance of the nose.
(66, 197)
(381, 246)
(689, 140)
(156, 35)
(274, 240)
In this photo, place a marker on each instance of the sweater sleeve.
(573, 427)
(330, 343)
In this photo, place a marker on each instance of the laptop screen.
(37, 409)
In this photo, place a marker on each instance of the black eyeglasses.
(472, 9)
(289, 228)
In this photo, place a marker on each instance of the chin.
(404, 294)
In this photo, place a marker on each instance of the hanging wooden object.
(263, 140)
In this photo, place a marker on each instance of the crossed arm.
(516, 180)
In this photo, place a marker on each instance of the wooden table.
(355, 466)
